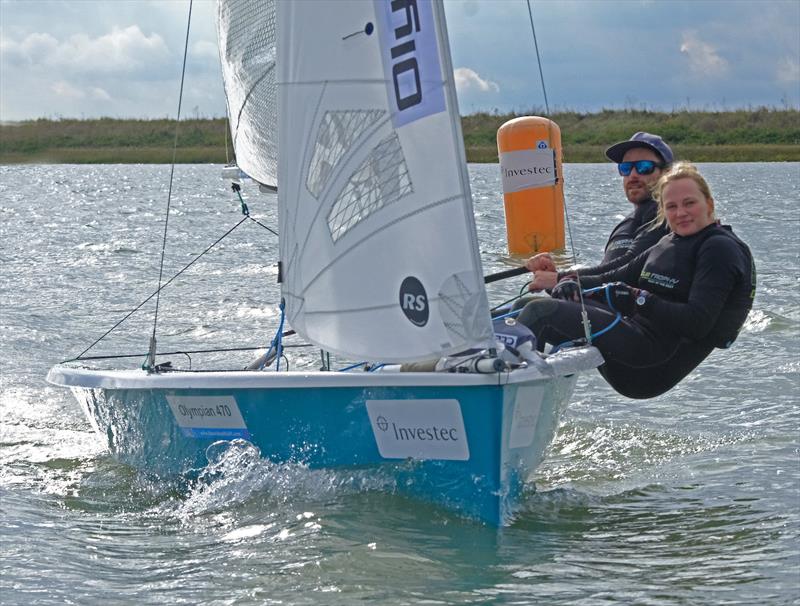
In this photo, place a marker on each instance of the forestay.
(379, 250)
(246, 34)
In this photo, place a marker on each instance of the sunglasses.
(643, 167)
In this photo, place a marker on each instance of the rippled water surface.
(689, 498)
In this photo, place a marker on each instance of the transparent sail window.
(382, 179)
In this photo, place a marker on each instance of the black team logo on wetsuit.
(414, 301)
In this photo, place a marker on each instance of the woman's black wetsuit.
(701, 290)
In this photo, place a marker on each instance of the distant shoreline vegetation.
(756, 135)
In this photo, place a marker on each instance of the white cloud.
(703, 57)
(122, 50)
(788, 70)
(69, 90)
(34, 49)
(467, 79)
(99, 93)
(205, 49)
(64, 89)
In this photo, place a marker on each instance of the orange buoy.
(533, 184)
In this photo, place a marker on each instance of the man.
(641, 160)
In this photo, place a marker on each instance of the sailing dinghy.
(379, 262)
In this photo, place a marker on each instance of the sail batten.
(378, 244)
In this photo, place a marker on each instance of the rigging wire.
(286, 333)
(247, 215)
(172, 279)
(161, 287)
(151, 356)
(538, 58)
(587, 327)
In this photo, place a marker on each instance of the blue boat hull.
(468, 443)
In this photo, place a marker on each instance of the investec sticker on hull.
(419, 429)
(526, 169)
(208, 416)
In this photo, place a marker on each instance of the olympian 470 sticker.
(208, 416)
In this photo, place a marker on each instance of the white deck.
(566, 362)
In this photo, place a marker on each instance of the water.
(689, 498)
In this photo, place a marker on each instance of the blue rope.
(616, 321)
(511, 314)
(607, 289)
(277, 341)
(358, 364)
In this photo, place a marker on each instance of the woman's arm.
(645, 239)
(720, 262)
(628, 273)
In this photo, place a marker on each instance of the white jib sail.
(246, 37)
(379, 250)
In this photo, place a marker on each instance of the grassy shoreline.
(760, 135)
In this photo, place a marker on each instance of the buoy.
(533, 184)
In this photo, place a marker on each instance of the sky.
(122, 58)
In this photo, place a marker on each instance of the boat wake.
(237, 474)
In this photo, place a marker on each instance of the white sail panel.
(246, 34)
(378, 246)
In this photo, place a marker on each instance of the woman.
(656, 318)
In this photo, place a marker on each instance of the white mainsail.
(379, 250)
(246, 34)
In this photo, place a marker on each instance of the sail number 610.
(404, 60)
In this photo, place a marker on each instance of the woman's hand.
(624, 298)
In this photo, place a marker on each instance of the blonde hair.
(679, 170)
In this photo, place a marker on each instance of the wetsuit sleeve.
(644, 241)
(720, 265)
(628, 273)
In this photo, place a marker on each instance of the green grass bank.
(759, 135)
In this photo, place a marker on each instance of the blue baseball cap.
(640, 139)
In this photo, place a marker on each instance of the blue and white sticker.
(208, 417)
(410, 55)
(419, 429)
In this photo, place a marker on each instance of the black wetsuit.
(702, 288)
(630, 238)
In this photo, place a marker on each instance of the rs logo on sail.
(414, 301)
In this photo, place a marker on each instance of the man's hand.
(541, 262)
(543, 280)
